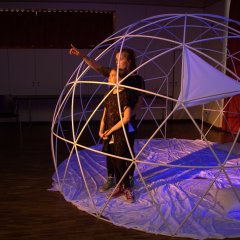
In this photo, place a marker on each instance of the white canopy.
(202, 83)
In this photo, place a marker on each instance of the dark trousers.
(109, 160)
(131, 139)
(117, 167)
(110, 166)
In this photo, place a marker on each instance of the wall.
(45, 71)
(213, 116)
(220, 8)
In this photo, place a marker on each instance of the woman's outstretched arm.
(89, 61)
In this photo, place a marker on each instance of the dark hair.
(130, 54)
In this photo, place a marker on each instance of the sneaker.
(118, 191)
(131, 181)
(107, 185)
(129, 195)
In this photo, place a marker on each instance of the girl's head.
(112, 76)
(126, 60)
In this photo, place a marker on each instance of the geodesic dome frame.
(171, 48)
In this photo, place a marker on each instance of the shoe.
(129, 195)
(118, 191)
(107, 185)
(131, 181)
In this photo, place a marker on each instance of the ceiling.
(170, 3)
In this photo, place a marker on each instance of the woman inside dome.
(126, 62)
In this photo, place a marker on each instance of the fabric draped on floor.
(184, 192)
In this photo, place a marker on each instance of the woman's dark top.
(135, 81)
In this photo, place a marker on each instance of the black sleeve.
(139, 82)
(126, 100)
(142, 84)
(105, 71)
(135, 81)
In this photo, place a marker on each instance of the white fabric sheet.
(202, 83)
(177, 191)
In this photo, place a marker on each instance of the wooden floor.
(29, 211)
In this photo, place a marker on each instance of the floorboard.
(29, 211)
